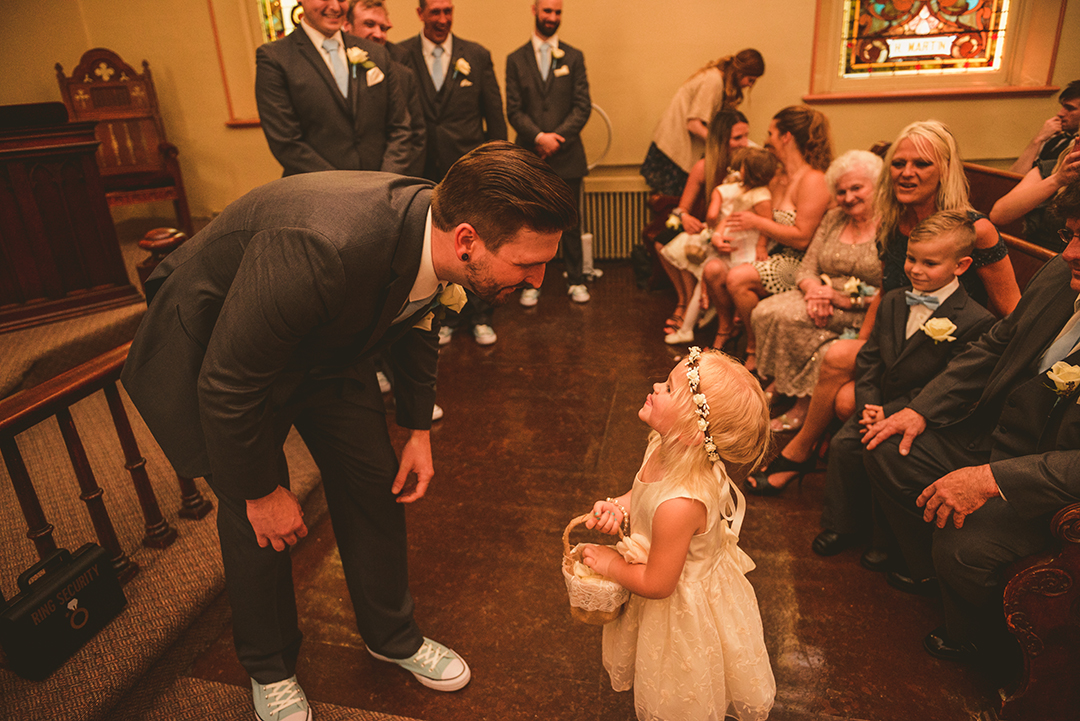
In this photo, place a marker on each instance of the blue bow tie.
(929, 301)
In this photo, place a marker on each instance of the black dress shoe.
(922, 587)
(938, 644)
(874, 559)
(830, 543)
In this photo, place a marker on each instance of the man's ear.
(963, 264)
(465, 240)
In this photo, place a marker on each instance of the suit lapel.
(357, 80)
(899, 325)
(309, 53)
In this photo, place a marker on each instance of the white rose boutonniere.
(1065, 377)
(358, 56)
(462, 66)
(939, 329)
(634, 548)
(558, 53)
(453, 297)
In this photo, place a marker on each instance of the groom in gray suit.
(266, 320)
(331, 101)
(548, 103)
(988, 451)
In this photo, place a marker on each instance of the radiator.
(615, 218)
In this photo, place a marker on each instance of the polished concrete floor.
(537, 427)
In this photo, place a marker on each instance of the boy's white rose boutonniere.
(939, 329)
(452, 297)
(1065, 377)
(359, 56)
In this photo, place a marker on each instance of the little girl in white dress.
(690, 641)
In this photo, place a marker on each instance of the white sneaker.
(530, 297)
(436, 412)
(435, 666)
(444, 334)
(384, 383)
(484, 334)
(281, 701)
(578, 293)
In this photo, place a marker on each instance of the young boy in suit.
(917, 331)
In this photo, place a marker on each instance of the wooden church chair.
(137, 163)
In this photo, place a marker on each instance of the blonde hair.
(738, 423)
(933, 140)
(955, 225)
(746, 63)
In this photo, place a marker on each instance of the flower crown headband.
(701, 404)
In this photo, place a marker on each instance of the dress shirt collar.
(537, 41)
(944, 291)
(427, 283)
(317, 37)
(427, 47)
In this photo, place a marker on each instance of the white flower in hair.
(702, 424)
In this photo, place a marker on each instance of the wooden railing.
(54, 399)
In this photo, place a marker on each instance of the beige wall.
(637, 56)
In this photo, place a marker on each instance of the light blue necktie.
(545, 60)
(341, 75)
(930, 301)
(437, 74)
(1062, 347)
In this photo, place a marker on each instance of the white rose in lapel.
(1065, 377)
(357, 56)
(939, 329)
(374, 76)
(462, 66)
(453, 297)
(558, 53)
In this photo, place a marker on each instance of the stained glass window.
(278, 18)
(922, 37)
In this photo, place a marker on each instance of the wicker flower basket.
(596, 602)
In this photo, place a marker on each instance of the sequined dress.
(790, 348)
(699, 653)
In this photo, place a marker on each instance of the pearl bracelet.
(625, 515)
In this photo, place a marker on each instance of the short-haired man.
(329, 101)
(462, 107)
(369, 19)
(1054, 136)
(268, 318)
(548, 103)
(989, 450)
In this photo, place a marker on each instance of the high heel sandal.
(722, 339)
(675, 322)
(780, 464)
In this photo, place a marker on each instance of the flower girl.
(690, 640)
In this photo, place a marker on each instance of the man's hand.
(547, 144)
(906, 421)
(415, 459)
(958, 494)
(277, 519)
(1048, 130)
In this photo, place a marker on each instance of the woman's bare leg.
(682, 289)
(714, 275)
(744, 287)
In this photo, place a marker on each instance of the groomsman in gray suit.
(971, 471)
(268, 318)
(370, 20)
(547, 102)
(463, 109)
(329, 101)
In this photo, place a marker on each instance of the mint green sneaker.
(281, 701)
(435, 666)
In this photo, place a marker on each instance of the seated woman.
(728, 132)
(925, 174)
(799, 137)
(794, 329)
(1032, 195)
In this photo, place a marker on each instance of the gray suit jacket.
(299, 279)
(310, 126)
(992, 399)
(465, 113)
(410, 88)
(891, 370)
(561, 104)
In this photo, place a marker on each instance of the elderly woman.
(795, 328)
(799, 136)
(924, 173)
